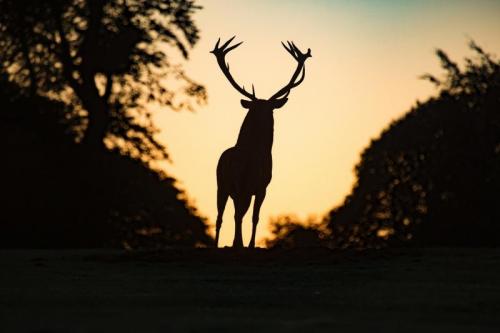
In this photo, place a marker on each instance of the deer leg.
(221, 205)
(241, 204)
(259, 198)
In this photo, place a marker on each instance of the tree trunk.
(98, 116)
(95, 104)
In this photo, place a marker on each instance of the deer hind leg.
(221, 205)
(259, 198)
(241, 204)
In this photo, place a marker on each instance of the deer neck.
(256, 133)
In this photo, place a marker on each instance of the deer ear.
(246, 104)
(278, 103)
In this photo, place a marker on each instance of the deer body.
(245, 170)
(247, 166)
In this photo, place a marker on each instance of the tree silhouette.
(76, 77)
(433, 176)
(55, 196)
(106, 58)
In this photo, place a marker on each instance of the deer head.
(277, 100)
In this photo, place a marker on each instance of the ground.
(208, 290)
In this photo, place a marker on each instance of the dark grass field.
(209, 290)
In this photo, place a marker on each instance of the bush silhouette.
(433, 176)
(58, 193)
(288, 232)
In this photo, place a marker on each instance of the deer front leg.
(241, 204)
(259, 198)
(221, 204)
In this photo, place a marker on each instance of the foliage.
(288, 232)
(433, 176)
(57, 194)
(107, 59)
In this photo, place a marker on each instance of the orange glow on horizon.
(363, 73)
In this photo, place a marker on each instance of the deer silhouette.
(245, 170)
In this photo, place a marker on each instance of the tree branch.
(108, 89)
(65, 55)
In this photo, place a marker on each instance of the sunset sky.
(367, 57)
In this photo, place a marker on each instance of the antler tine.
(301, 55)
(253, 90)
(233, 47)
(227, 43)
(297, 50)
(220, 53)
(224, 48)
(288, 49)
(300, 70)
(216, 47)
(293, 49)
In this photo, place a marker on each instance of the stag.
(245, 170)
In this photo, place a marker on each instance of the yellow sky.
(367, 56)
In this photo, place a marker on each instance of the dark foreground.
(433, 290)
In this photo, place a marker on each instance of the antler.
(220, 54)
(301, 59)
